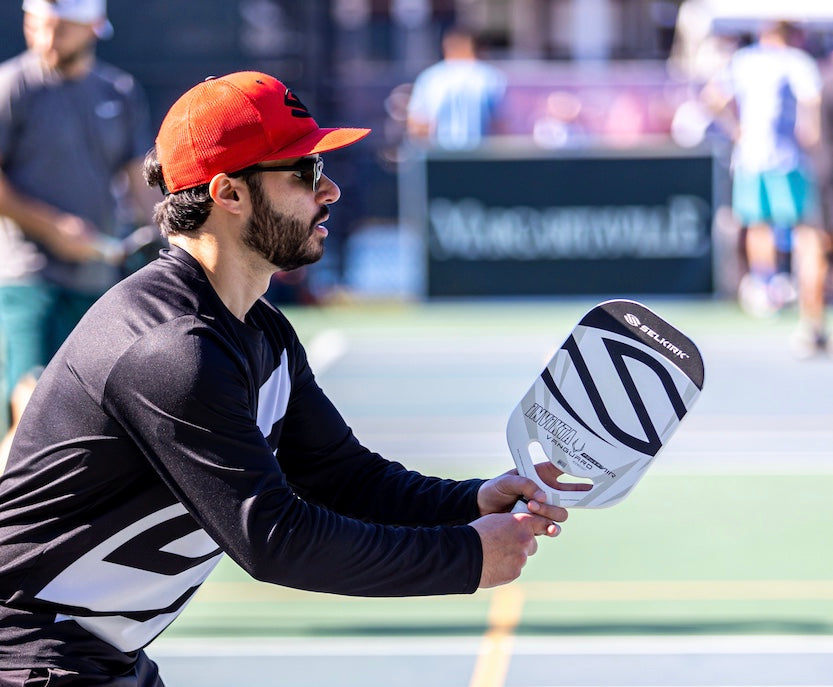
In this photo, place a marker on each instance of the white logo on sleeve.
(138, 580)
(273, 397)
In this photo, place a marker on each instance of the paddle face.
(607, 402)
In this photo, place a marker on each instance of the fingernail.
(534, 506)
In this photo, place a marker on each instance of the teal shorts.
(34, 321)
(777, 198)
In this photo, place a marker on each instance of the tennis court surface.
(717, 569)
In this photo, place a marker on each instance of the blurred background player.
(73, 132)
(454, 103)
(775, 90)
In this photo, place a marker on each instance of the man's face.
(285, 240)
(60, 43)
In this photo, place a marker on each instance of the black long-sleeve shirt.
(166, 432)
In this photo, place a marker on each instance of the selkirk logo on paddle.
(633, 320)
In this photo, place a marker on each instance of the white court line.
(466, 646)
(677, 645)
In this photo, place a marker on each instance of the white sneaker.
(754, 297)
(807, 342)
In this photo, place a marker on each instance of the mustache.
(322, 216)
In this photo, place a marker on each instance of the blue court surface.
(717, 569)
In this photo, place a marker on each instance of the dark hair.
(183, 212)
(787, 31)
(461, 34)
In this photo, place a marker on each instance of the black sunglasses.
(307, 168)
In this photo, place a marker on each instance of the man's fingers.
(553, 529)
(540, 525)
(521, 486)
(551, 474)
(552, 513)
(533, 547)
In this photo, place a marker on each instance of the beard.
(285, 241)
(66, 62)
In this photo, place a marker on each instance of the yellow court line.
(496, 646)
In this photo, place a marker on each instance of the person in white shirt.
(775, 89)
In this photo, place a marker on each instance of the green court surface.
(682, 555)
(730, 532)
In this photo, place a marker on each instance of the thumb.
(526, 489)
(538, 526)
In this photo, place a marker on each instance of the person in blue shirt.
(455, 103)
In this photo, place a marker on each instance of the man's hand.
(73, 239)
(508, 539)
(66, 236)
(500, 494)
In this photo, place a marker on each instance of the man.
(455, 102)
(70, 126)
(181, 421)
(775, 88)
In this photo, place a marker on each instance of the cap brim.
(85, 14)
(321, 141)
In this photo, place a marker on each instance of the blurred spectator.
(559, 126)
(454, 103)
(775, 88)
(70, 127)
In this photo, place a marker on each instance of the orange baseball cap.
(230, 122)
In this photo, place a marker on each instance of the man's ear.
(225, 192)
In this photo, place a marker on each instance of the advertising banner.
(602, 223)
